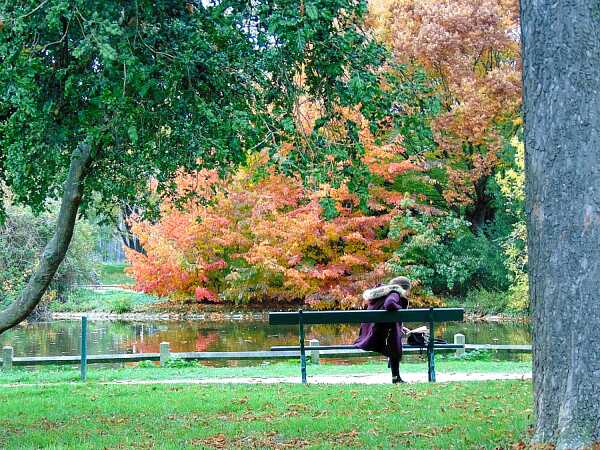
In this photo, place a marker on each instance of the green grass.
(118, 301)
(476, 415)
(192, 370)
(114, 274)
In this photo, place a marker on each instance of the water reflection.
(63, 337)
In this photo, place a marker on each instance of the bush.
(146, 365)
(475, 355)
(121, 305)
(176, 363)
(259, 236)
(512, 186)
(443, 255)
(483, 302)
(23, 237)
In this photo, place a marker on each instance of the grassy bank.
(192, 370)
(113, 274)
(114, 301)
(474, 415)
(477, 302)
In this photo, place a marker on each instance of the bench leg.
(430, 366)
(302, 349)
(430, 349)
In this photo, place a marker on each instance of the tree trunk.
(129, 239)
(57, 247)
(561, 77)
(481, 211)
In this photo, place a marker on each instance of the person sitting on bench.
(386, 338)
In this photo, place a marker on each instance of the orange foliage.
(471, 47)
(259, 240)
(263, 237)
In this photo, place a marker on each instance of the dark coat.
(384, 338)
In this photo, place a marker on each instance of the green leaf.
(133, 135)
(311, 11)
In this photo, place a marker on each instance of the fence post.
(314, 354)
(84, 348)
(7, 358)
(165, 353)
(459, 339)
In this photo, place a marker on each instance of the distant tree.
(261, 235)
(561, 77)
(512, 188)
(123, 218)
(470, 52)
(97, 98)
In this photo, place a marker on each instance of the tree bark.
(481, 211)
(561, 77)
(129, 239)
(57, 247)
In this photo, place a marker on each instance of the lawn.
(114, 274)
(189, 370)
(476, 415)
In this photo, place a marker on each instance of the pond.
(62, 337)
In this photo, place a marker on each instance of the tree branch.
(57, 247)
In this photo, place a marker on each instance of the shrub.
(482, 302)
(474, 355)
(260, 235)
(177, 363)
(443, 255)
(121, 305)
(146, 365)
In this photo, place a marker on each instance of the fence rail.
(8, 362)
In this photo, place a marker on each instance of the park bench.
(431, 316)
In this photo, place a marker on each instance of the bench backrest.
(368, 316)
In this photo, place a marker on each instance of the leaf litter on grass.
(271, 440)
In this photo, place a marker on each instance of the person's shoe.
(396, 380)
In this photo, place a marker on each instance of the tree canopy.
(154, 86)
(102, 97)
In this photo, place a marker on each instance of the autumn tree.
(561, 78)
(261, 235)
(97, 98)
(470, 52)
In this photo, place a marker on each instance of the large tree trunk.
(57, 247)
(561, 75)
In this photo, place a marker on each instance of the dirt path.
(318, 379)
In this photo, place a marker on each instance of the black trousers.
(394, 365)
(393, 361)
